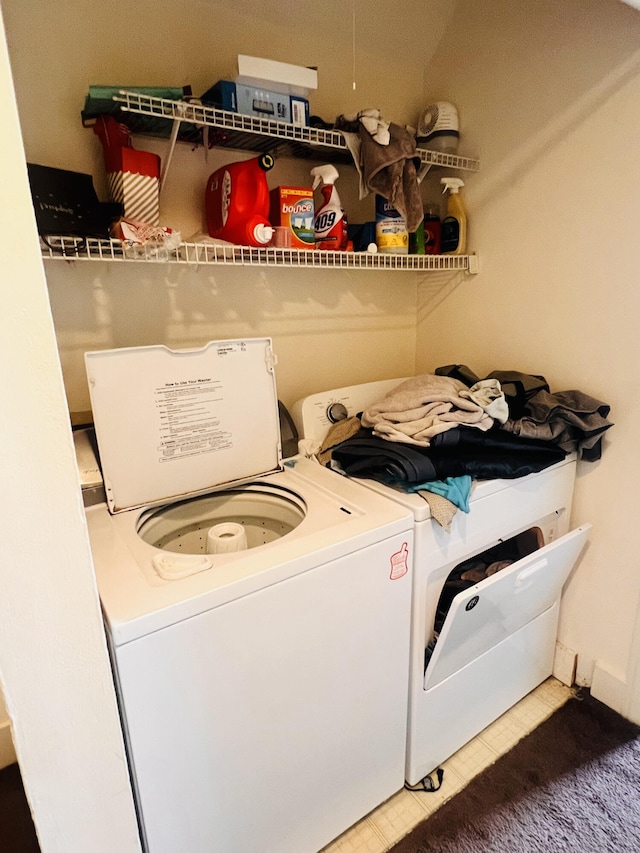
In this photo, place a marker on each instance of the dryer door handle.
(526, 576)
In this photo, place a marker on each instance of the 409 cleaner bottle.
(330, 223)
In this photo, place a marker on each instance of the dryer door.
(491, 611)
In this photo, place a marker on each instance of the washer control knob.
(337, 412)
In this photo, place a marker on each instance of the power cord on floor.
(426, 783)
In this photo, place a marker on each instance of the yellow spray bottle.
(453, 236)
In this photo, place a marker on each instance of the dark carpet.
(571, 785)
(17, 833)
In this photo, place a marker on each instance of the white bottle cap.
(263, 233)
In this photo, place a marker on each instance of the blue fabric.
(454, 489)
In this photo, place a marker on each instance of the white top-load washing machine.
(257, 612)
(497, 642)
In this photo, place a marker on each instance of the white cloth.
(375, 124)
(488, 394)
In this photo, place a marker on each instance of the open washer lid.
(172, 423)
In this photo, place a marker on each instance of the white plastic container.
(392, 236)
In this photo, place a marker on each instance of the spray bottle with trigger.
(330, 220)
(453, 234)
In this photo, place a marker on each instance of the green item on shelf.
(99, 101)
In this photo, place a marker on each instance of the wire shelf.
(234, 130)
(202, 254)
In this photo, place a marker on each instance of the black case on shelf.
(66, 205)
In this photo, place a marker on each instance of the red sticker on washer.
(399, 562)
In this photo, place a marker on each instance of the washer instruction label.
(188, 423)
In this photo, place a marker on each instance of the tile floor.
(385, 826)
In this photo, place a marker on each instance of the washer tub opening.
(265, 512)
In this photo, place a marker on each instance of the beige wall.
(329, 328)
(54, 667)
(552, 92)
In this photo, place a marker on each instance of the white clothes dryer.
(498, 640)
(257, 611)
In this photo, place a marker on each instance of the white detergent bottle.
(453, 233)
(330, 223)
